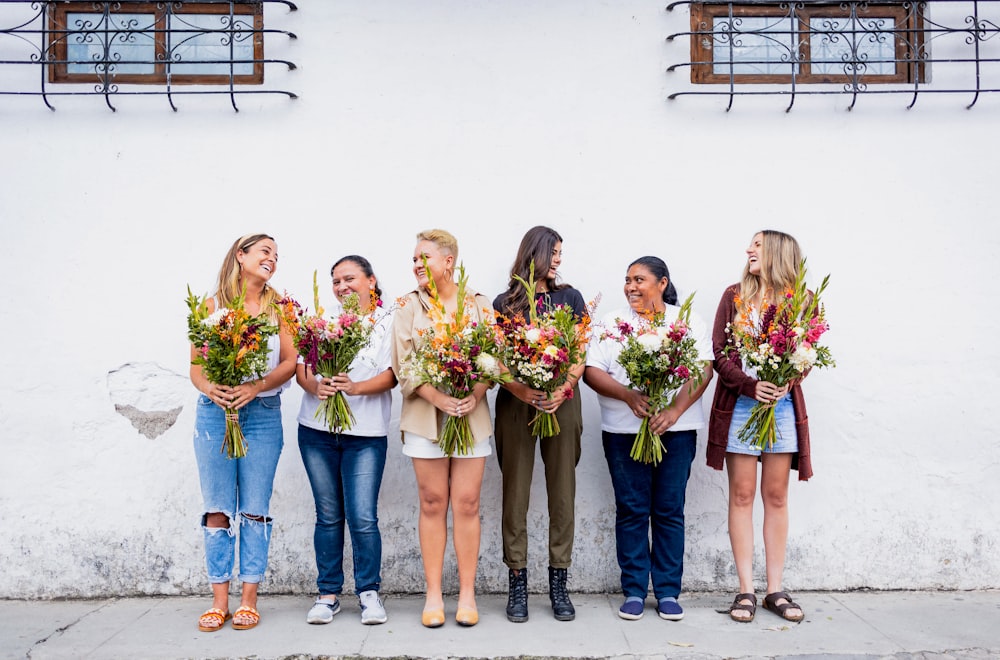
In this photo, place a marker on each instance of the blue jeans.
(238, 486)
(345, 473)
(649, 498)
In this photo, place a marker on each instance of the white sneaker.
(322, 611)
(372, 611)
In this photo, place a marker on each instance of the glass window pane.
(759, 45)
(847, 47)
(194, 51)
(118, 43)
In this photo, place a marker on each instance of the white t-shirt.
(273, 358)
(616, 416)
(371, 412)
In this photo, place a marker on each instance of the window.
(849, 42)
(156, 42)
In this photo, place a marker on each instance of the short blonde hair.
(780, 257)
(441, 238)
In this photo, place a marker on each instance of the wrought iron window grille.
(852, 48)
(139, 48)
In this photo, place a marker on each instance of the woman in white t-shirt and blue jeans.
(345, 469)
(649, 499)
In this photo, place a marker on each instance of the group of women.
(345, 469)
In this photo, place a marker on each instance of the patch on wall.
(148, 396)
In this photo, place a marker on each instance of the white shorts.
(417, 446)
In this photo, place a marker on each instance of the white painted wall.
(486, 118)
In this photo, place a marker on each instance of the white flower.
(532, 335)
(488, 364)
(650, 342)
(803, 358)
(551, 351)
(214, 318)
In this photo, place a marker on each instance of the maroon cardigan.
(733, 382)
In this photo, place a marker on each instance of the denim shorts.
(787, 440)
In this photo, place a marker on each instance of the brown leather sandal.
(771, 603)
(737, 606)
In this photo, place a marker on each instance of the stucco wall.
(487, 118)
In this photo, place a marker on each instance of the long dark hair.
(536, 248)
(364, 265)
(658, 268)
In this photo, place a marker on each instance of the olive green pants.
(516, 454)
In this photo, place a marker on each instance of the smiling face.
(555, 260)
(643, 290)
(755, 254)
(440, 265)
(349, 277)
(259, 261)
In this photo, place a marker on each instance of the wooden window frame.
(908, 67)
(58, 39)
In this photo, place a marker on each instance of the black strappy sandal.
(771, 603)
(737, 606)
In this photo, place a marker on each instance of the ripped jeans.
(240, 488)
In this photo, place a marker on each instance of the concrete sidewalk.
(856, 625)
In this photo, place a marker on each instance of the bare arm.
(662, 421)
(601, 382)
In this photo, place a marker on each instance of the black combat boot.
(562, 607)
(517, 597)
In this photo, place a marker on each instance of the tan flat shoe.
(433, 618)
(467, 616)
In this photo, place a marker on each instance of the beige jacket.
(418, 415)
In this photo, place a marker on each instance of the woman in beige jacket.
(442, 480)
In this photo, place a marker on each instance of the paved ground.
(898, 625)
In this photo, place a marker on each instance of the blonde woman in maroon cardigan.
(772, 261)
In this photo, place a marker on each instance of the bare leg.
(742, 472)
(774, 491)
(249, 595)
(433, 489)
(466, 484)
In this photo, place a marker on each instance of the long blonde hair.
(229, 287)
(779, 260)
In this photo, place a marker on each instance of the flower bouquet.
(328, 347)
(231, 347)
(453, 355)
(659, 359)
(780, 343)
(540, 351)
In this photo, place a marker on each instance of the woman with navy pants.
(649, 499)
